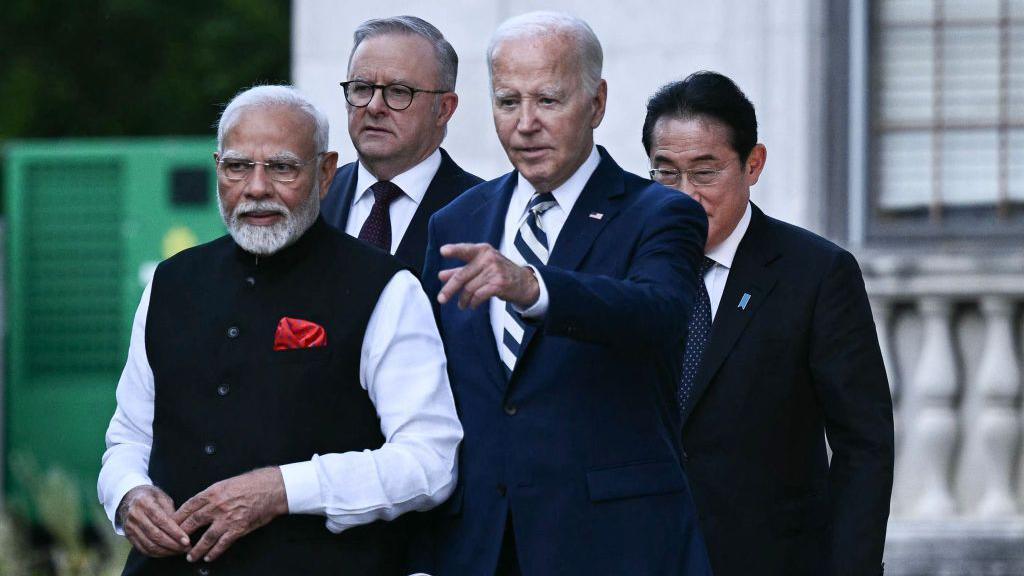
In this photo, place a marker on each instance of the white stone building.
(893, 127)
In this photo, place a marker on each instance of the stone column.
(923, 484)
(991, 439)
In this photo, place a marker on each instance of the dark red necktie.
(377, 228)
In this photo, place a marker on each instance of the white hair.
(544, 23)
(273, 95)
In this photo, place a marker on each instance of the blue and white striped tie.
(530, 247)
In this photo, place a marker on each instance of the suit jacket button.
(203, 571)
(210, 449)
(233, 332)
(502, 489)
(511, 409)
(251, 281)
(223, 390)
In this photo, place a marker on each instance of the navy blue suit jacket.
(796, 358)
(581, 445)
(448, 183)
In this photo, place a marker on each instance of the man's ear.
(327, 169)
(755, 163)
(599, 101)
(449, 102)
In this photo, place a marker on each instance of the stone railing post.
(930, 426)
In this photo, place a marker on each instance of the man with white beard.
(279, 379)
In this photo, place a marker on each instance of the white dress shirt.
(413, 182)
(552, 221)
(723, 254)
(404, 372)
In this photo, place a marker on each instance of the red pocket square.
(294, 333)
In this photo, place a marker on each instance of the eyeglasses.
(277, 170)
(696, 176)
(396, 96)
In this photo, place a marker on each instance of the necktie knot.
(541, 203)
(385, 192)
(706, 265)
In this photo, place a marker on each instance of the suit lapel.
(596, 206)
(438, 194)
(488, 221)
(751, 279)
(347, 189)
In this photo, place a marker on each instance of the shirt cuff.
(302, 488)
(540, 307)
(124, 487)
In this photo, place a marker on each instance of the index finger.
(463, 251)
(188, 516)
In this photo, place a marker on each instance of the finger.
(222, 545)
(483, 294)
(158, 537)
(162, 519)
(196, 520)
(142, 543)
(212, 535)
(463, 251)
(444, 275)
(190, 506)
(455, 283)
(467, 297)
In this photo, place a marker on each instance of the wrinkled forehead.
(536, 62)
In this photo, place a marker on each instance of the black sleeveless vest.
(227, 403)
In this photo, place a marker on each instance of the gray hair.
(543, 23)
(273, 95)
(447, 59)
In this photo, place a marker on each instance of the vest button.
(223, 390)
(233, 332)
(210, 449)
(511, 409)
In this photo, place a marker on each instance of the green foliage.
(57, 502)
(133, 67)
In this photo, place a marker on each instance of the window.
(944, 122)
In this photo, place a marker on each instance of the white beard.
(267, 240)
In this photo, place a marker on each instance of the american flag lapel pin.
(744, 301)
(596, 215)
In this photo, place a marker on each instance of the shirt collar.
(414, 181)
(724, 253)
(566, 194)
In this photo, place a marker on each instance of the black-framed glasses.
(396, 96)
(277, 170)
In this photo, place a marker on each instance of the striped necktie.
(530, 247)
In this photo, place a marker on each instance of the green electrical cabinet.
(87, 222)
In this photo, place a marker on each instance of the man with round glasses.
(285, 396)
(400, 94)
(781, 351)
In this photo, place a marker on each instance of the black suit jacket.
(448, 183)
(797, 360)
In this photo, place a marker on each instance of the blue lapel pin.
(744, 300)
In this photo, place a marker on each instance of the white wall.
(770, 48)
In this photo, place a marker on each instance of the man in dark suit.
(400, 94)
(564, 367)
(782, 351)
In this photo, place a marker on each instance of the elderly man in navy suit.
(781, 351)
(564, 289)
(400, 95)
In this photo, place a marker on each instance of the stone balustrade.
(951, 329)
